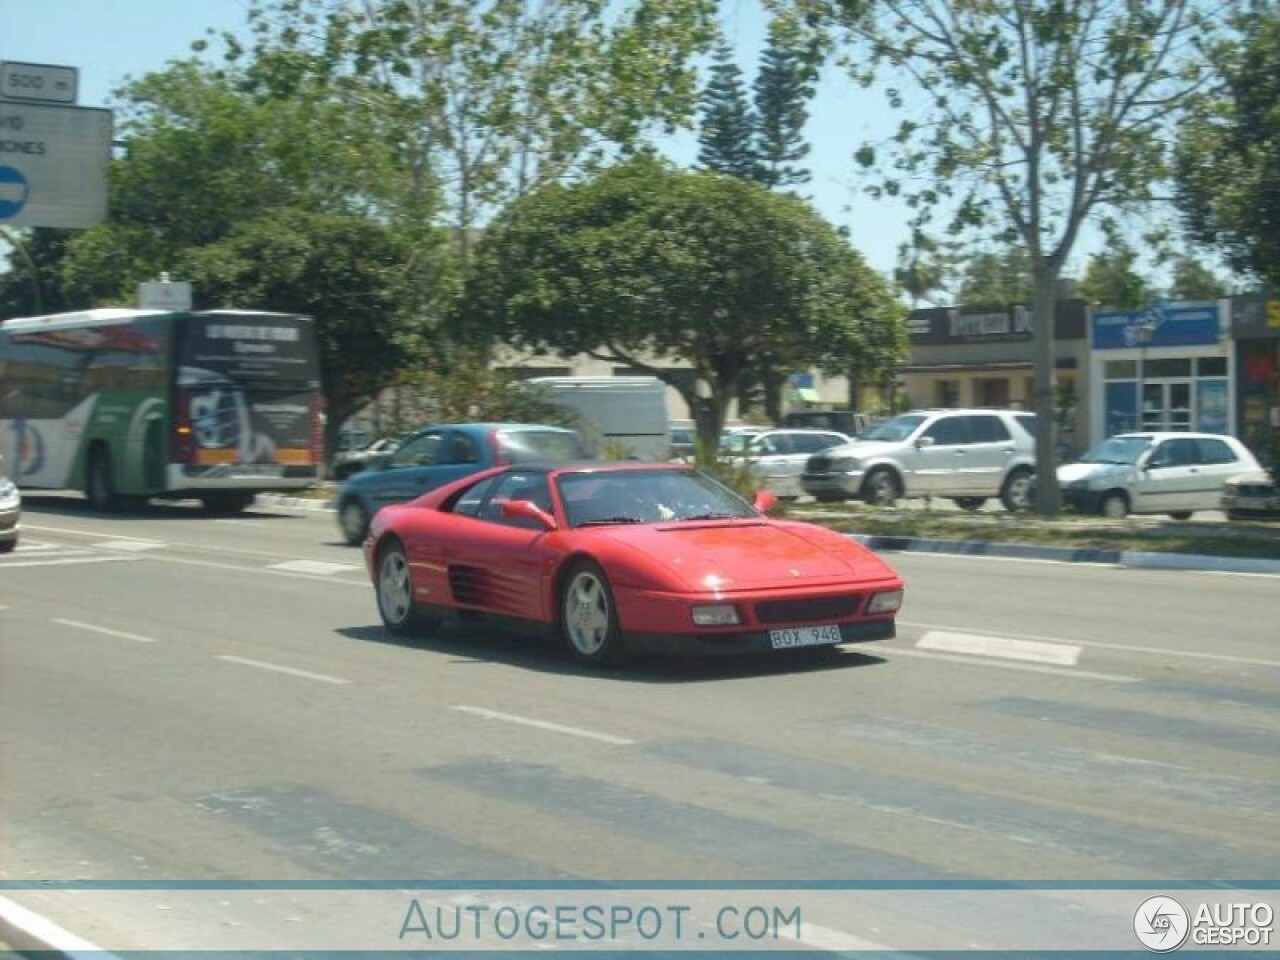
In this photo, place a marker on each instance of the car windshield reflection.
(601, 498)
(1117, 450)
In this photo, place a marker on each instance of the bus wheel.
(99, 483)
(225, 504)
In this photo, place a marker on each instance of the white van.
(624, 415)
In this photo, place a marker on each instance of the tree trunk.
(1048, 500)
(708, 418)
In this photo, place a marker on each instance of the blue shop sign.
(1169, 325)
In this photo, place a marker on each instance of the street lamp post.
(1143, 331)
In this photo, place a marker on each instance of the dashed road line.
(129, 546)
(314, 567)
(545, 725)
(1008, 648)
(1073, 672)
(258, 571)
(279, 668)
(105, 631)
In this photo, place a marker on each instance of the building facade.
(1255, 328)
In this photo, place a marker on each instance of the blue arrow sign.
(14, 191)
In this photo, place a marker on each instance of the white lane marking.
(31, 931)
(171, 544)
(545, 725)
(984, 645)
(1129, 647)
(4, 606)
(86, 533)
(129, 546)
(1003, 665)
(105, 631)
(277, 668)
(258, 571)
(318, 567)
(1095, 564)
(62, 561)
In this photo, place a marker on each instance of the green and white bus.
(130, 404)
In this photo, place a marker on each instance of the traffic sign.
(38, 82)
(164, 294)
(56, 162)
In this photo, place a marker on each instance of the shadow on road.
(71, 505)
(489, 646)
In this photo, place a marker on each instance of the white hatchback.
(1172, 473)
(778, 457)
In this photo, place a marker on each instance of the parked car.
(684, 441)
(437, 455)
(968, 456)
(1173, 473)
(353, 461)
(778, 457)
(620, 557)
(1251, 495)
(10, 512)
(848, 422)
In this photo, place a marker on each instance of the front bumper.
(9, 524)
(1083, 501)
(751, 641)
(1260, 503)
(847, 484)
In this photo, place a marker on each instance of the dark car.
(350, 462)
(434, 456)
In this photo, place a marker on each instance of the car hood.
(749, 554)
(1075, 472)
(864, 449)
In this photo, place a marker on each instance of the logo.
(1161, 924)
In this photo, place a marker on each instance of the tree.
(925, 270)
(1037, 115)
(1192, 280)
(495, 97)
(32, 284)
(727, 136)
(782, 90)
(997, 279)
(643, 263)
(1112, 280)
(1228, 153)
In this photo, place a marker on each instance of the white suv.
(968, 456)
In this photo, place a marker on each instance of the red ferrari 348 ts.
(623, 557)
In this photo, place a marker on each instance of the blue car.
(434, 456)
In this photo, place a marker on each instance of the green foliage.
(642, 263)
(782, 90)
(727, 135)
(1112, 280)
(1192, 280)
(32, 285)
(1228, 151)
(998, 279)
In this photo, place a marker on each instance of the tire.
(226, 504)
(1180, 514)
(396, 603)
(881, 488)
(353, 518)
(1018, 490)
(1114, 504)
(588, 616)
(99, 480)
(970, 503)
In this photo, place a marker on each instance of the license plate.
(804, 637)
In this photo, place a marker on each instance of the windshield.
(542, 446)
(897, 429)
(1117, 450)
(647, 496)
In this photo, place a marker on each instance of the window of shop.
(946, 393)
(992, 392)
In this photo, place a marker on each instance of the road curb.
(26, 931)
(297, 503)
(1024, 551)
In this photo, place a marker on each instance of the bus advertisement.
(131, 404)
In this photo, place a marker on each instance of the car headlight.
(8, 494)
(716, 615)
(845, 463)
(887, 601)
(1075, 485)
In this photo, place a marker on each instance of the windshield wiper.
(607, 521)
(708, 516)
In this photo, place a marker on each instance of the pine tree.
(726, 138)
(783, 88)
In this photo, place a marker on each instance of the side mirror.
(764, 501)
(924, 442)
(528, 510)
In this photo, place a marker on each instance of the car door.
(1219, 462)
(1168, 480)
(408, 473)
(990, 451)
(940, 460)
(498, 564)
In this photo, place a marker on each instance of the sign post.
(53, 165)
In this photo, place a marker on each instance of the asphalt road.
(210, 699)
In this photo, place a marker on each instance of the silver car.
(10, 512)
(968, 456)
(778, 457)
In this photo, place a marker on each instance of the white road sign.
(164, 295)
(53, 165)
(40, 82)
